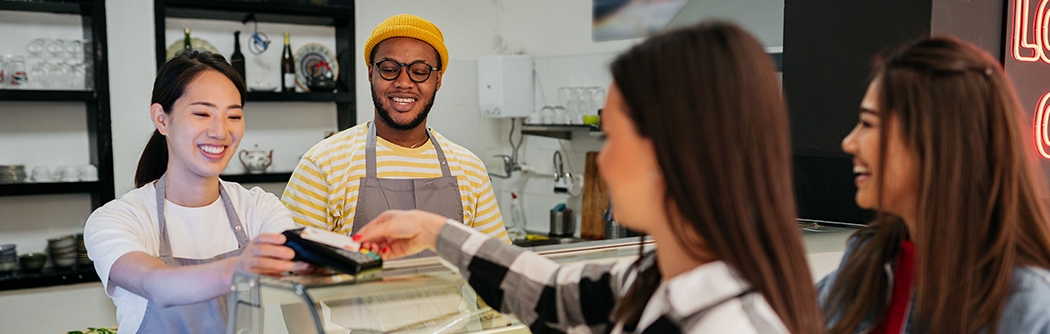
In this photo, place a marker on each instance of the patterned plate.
(196, 43)
(312, 57)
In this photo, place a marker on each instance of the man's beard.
(385, 114)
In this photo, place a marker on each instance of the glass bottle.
(237, 59)
(516, 228)
(186, 43)
(287, 67)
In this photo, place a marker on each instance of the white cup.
(88, 173)
(534, 118)
(547, 115)
(40, 174)
(561, 116)
(66, 173)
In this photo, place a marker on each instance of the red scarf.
(901, 298)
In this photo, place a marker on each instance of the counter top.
(824, 249)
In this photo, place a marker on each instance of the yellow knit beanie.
(408, 25)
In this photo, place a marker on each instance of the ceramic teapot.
(256, 161)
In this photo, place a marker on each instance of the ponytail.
(154, 160)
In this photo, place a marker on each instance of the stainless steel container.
(563, 223)
(614, 230)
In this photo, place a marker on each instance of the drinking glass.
(560, 115)
(586, 106)
(89, 78)
(564, 95)
(583, 100)
(37, 75)
(598, 95)
(77, 75)
(36, 47)
(56, 47)
(547, 115)
(75, 49)
(60, 75)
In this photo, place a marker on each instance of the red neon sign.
(1040, 44)
(1041, 121)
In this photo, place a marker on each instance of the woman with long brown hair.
(697, 156)
(962, 241)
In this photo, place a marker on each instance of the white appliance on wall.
(505, 86)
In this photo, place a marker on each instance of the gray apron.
(438, 195)
(204, 317)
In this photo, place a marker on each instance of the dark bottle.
(186, 42)
(287, 67)
(237, 59)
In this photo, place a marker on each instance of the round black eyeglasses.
(418, 71)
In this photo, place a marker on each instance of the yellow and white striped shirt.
(324, 187)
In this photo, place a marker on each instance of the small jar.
(18, 78)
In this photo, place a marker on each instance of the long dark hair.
(707, 96)
(171, 82)
(980, 211)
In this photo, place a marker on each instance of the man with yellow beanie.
(395, 161)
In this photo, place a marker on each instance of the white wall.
(468, 27)
(558, 36)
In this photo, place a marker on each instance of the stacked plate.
(82, 256)
(63, 251)
(8, 258)
(12, 173)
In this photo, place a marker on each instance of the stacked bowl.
(12, 173)
(32, 262)
(63, 251)
(82, 256)
(8, 258)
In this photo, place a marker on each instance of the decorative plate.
(313, 58)
(195, 43)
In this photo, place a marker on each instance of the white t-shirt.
(129, 224)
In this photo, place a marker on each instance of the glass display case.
(405, 296)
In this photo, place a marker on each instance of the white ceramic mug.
(66, 173)
(88, 173)
(41, 174)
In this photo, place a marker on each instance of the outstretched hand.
(397, 233)
(267, 255)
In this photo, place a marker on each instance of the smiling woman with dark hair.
(962, 242)
(166, 252)
(698, 157)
